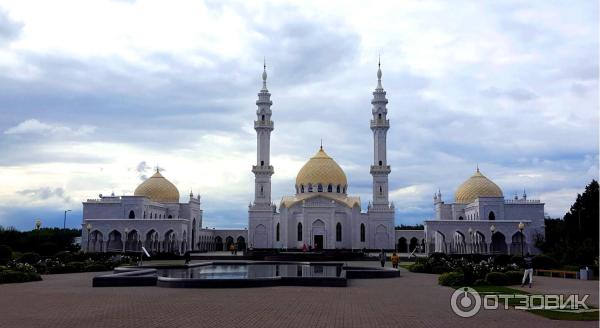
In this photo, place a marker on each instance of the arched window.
(362, 232)
(299, 231)
(380, 190)
(380, 163)
(277, 232)
(338, 232)
(144, 214)
(310, 187)
(379, 116)
(460, 218)
(338, 189)
(344, 189)
(262, 163)
(263, 117)
(170, 216)
(302, 188)
(492, 216)
(329, 188)
(261, 189)
(131, 215)
(320, 187)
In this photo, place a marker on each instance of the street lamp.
(65, 219)
(521, 227)
(89, 228)
(492, 229)
(471, 236)
(38, 224)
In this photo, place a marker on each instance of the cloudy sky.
(93, 94)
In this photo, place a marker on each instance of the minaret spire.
(380, 125)
(264, 75)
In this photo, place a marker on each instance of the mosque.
(322, 213)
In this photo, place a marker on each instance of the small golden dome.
(476, 186)
(158, 189)
(321, 169)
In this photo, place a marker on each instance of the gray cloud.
(9, 28)
(46, 193)
(514, 94)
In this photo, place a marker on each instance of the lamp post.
(38, 224)
(492, 229)
(65, 219)
(521, 227)
(471, 236)
(125, 241)
(89, 228)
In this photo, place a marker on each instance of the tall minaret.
(380, 125)
(263, 126)
(261, 211)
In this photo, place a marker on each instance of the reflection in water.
(252, 271)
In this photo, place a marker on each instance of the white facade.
(321, 215)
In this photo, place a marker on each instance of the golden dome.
(321, 169)
(477, 186)
(158, 189)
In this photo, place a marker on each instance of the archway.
(519, 244)
(218, 243)
(194, 234)
(96, 241)
(115, 242)
(402, 245)
(132, 243)
(318, 233)
(459, 245)
(492, 216)
(498, 243)
(414, 242)
(439, 242)
(228, 243)
(241, 242)
(479, 243)
(169, 243)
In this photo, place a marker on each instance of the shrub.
(48, 248)
(544, 262)
(496, 278)
(439, 269)
(514, 277)
(416, 267)
(64, 256)
(518, 260)
(6, 254)
(571, 267)
(480, 282)
(451, 279)
(30, 258)
(96, 267)
(10, 276)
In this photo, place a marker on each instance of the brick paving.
(413, 300)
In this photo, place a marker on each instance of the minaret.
(261, 211)
(380, 125)
(263, 126)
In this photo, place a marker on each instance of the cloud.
(9, 28)
(33, 126)
(45, 193)
(513, 94)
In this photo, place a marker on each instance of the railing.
(264, 124)
(380, 123)
(522, 201)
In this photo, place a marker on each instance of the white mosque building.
(321, 214)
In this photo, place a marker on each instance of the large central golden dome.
(321, 169)
(158, 189)
(477, 186)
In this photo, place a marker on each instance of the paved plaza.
(413, 300)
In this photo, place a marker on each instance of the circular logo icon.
(465, 302)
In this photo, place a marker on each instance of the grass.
(550, 314)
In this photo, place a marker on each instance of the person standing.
(528, 264)
(382, 258)
(395, 260)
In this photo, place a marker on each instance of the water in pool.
(252, 271)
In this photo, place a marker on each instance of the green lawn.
(550, 314)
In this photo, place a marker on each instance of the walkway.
(414, 300)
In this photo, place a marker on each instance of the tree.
(574, 239)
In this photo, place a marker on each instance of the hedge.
(30, 258)
(5, 254)
(514, 277)
(10, 276)
(451, 279)
(497, 278)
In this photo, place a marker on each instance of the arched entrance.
(381, 237)
(414, 242)
(402, 245)
(519, 244)
(218, 243)
(260, 236)
(318, 233)
(115, 243)
(241, 243)
(498, 243)
(228, 243)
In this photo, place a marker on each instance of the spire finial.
(477, 167)
(264, 74)
(157, 168)
(379, 74)
(321, 143)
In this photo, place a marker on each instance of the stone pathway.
(413, 300)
